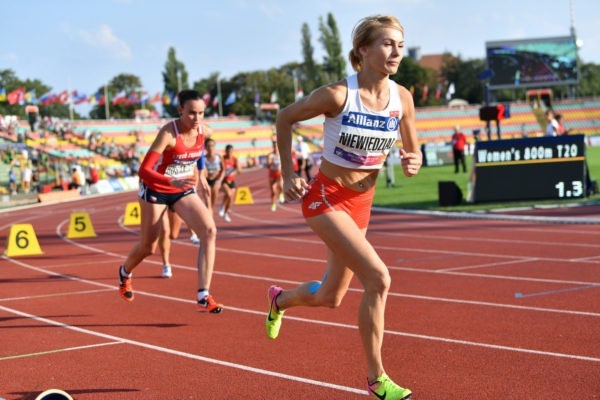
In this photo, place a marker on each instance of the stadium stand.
(435, 124)
(111, 145)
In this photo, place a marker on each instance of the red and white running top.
(177, 162)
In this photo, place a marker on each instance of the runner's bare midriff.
(360, 180)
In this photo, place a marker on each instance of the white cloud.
(271, 9)
(105, 39)
(10, 57)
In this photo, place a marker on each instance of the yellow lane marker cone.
(133, 215)
(80, 226)
(22, 241)
(243, 196)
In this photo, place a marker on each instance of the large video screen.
(532, 62)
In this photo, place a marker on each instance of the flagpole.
(295, 86)
(70, 95)
(106, 109)
(220, 97)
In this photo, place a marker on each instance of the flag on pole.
(156, 98)
(145, 98)
(166, 98)
(230, 99)
(22, 97)
(299, 93)
(215, 101)
(438, 91)
(16, 96)
(79, 98)
(206, 98)
(119, 98)
(450, 91)
(62, 97)
(3, 94)
(30, 97)
(95, 98)
(132, 99)
(48, 98)
(274, 96)
(425, 92)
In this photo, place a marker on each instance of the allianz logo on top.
(369, 121)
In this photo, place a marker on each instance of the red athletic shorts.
(326, 195)
(274, 175)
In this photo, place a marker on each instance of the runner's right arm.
(147, 172)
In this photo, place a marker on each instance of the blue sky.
(81, 44)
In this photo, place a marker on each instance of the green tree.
(175, 79)
(589, 80)
(252, 88)
(411, 75)
(208, 85)
(309, 73)
(464, 76)
(9, 81)
(54, 109)
(334, 63)
(130, 84)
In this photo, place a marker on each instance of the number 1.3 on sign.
(574, 190)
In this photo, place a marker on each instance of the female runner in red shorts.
(275, 180)
(364, 114)
(169, 176)
(214, 171)
(232, 169)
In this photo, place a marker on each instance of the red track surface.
(454, 327)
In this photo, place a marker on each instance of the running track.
(478, 309)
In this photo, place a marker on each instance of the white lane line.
(458, 341)
(398, 268)
(270, 279)
(414, 296)
(39, 296)
(488, 216)
(20, 221)
(41, 353)
(493, 276)
(373, 230)
(434, 224)
(192, 356)
(342, 325)
(406, 249)
(515, 259)
(80, 264)
(591, 258)
(571, 312)
(480, 239)
(494, 264)
(293, 282)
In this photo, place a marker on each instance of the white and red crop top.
(359, 138)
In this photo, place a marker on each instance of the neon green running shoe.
(273, 322)
(385, 389)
